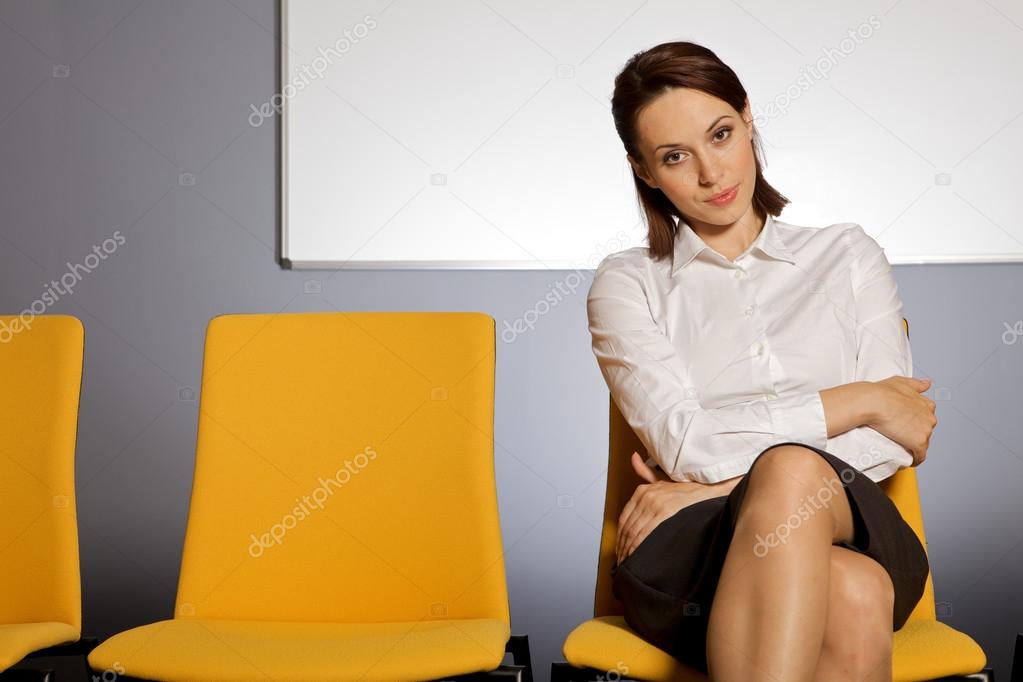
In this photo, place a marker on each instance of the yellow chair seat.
(17, 640)
(928, 649)
(924, 650)
(189, 649)
(608, 643)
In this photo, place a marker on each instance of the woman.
(766, 369)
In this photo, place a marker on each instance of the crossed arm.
(710, 445)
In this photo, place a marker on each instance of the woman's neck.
(731, 241)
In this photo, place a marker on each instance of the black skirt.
(667, 583)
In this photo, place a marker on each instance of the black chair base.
(561, 671)
(53, 664)
(1016, 675)
(28, 675)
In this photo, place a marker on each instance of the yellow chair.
(40, 587)
(343, 523)
(925, 648)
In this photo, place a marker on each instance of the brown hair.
(646, 76)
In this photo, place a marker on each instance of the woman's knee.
(861, 583)
(796, 478)
(861, 600)
(791, 470)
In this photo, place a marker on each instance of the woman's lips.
(724, 199)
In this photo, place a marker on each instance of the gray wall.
(154, 90)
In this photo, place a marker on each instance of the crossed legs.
(791, 606)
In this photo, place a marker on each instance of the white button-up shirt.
(711, 360)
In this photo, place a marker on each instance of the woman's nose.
(710, 172)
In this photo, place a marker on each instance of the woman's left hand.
(656, 500)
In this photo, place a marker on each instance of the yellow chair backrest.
(902, 488)
(41, 366)
(344, 470)
(622, 481)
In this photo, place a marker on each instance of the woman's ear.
(747, 117)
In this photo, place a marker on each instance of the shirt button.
(760, 349)
(771, 396)
(748, 311)
(738, 274)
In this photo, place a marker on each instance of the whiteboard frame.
(287, 262)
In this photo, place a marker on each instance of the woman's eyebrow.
(679, 144)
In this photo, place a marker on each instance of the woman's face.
(696, 146)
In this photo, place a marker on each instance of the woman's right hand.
(903, 414)
(657, 500)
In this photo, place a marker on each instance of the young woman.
(765, 368)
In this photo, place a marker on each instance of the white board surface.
(467, 134)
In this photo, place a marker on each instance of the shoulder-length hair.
(646, 76)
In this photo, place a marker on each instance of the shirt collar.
(688, 244)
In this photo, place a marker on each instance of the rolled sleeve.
(800, 417)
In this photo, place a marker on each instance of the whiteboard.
(466, 134)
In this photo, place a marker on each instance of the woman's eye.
(717, 137)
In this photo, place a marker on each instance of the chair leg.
(70, 663)
(520, 670)
(562, 671)
(518, 647)
(503, 672)
(1016, 675)
(27, 675)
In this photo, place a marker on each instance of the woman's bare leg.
(770, 609)
(858, 637)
